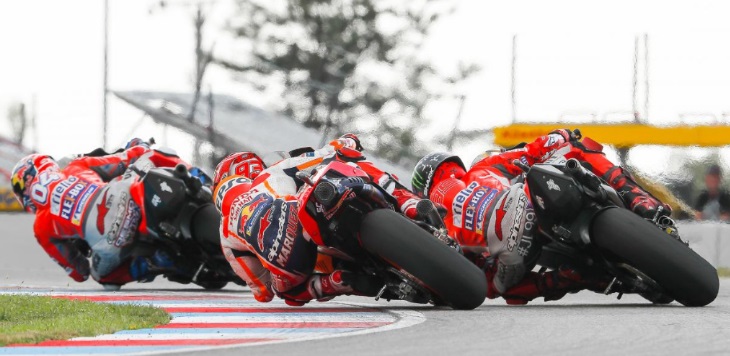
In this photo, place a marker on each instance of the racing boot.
(145, 268)
(638, 200)
(324, 287)
(552, 285)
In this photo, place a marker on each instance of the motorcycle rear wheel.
(683, 274)
(442, 270)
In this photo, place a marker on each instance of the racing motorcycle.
(179, 218)
(353, 220)
(587, 226)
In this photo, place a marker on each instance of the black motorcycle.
(178, 218)
(182, 221)
(587, 226)
(354, 221)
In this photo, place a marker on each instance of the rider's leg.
(551, 285)
(636, 198)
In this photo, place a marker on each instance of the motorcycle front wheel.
(681, 272)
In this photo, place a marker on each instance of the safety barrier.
(710, 240)
(8, 201)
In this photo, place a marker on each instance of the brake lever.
(304, 177)
(525, 168)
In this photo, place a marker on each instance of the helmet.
(246, 164)
(431, 168)
(25, 172)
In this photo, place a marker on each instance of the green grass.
(31, 319)
(723, 272)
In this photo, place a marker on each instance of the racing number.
(39, 191)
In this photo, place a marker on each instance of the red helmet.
(246, 164)
(23, 175)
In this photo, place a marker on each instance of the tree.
(346, 65)
(18, 121)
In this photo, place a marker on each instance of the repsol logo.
(225, 186)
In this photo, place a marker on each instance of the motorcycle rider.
(261, 235)
(85, 209)
(489, 212)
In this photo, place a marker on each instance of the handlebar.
(196, 187)
(326, 191)
(426, 210)
(587, 178)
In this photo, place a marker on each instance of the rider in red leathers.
(88, 201)
(489, 212)
(261, 235)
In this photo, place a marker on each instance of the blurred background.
(650, 79)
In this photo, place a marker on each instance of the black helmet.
(426, 168)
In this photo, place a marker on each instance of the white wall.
(710, 240)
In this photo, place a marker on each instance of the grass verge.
(723, 272)
(31, 319)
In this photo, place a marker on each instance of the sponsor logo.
(265, 223)
(514, 230)
(279, 232)
(470, 215)
(69, 199)
(81, 206)
(120, 210)
(155, 200)
(482, 210)
(58, 192)
(125, 222)
(234, 215)
(252, 212)
(292, 225)
(226, 186)
(128, 226)
(552, 186)
(165, 187)
(457, 207)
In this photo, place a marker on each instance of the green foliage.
(346, 65)
(31, 319)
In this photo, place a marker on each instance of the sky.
(574, 59)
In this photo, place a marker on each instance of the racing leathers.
(490, 213)
(89, 199)
(262, 237)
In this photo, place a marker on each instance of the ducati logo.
(165, 187)
(552, 186)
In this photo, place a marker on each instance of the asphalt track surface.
(584, 323)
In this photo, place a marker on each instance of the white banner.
(710, 240)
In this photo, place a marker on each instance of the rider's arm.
(66, 254)
(534, 152)
(110, 166)
(406, 199)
